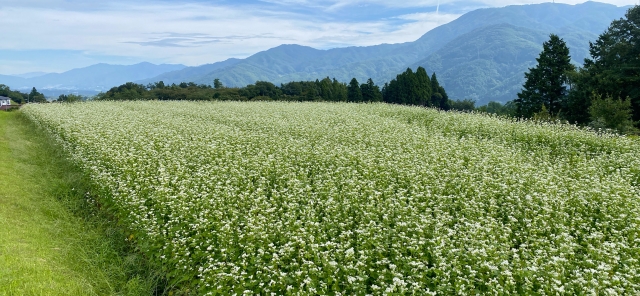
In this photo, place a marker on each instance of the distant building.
(4, 101)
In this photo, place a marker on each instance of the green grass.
(52, 241)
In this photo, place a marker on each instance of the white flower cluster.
(277, 198)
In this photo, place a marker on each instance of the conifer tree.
(546, 84)
(412, 88)
(371, 92)
(377, 93)
(423, 87)
(394, 91)
(613, 69)
(339, 91)
(36, 96)
(354, 94)
(439, 97)
(326, 88)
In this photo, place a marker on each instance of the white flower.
(273, 193)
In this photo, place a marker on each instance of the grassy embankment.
(51, 241)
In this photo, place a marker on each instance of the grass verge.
(52, 240)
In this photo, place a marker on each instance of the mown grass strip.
(52, 241)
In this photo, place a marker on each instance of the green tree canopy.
(339, 91)
(326, 89)
(261, 89)
(36, 96)
(354, 93)
(415, 88)
(370, 92)
(422, 88)
(217, 84)
(71, 98)
(546, 84)
(15, 96)
(439, 97)
(466, 105)
(613, 69)
(612, 114)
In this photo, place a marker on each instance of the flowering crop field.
(356, 199)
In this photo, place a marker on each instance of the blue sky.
(59, 35)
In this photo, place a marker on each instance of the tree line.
(408, 88)
(20, 98)
(35, 96)
(604, 93)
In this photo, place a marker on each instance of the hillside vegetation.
(324, 198)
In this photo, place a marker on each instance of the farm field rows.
(355, 199)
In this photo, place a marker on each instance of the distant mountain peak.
(481, 55)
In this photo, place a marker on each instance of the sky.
(59, 35)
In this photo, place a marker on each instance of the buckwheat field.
(355, 199)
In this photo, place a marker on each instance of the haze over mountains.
(31, 74)
(95, 78)
(482, 55)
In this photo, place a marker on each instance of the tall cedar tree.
(339, 91)
(354, 94)
(613, 70)
(326, 89)
(546, 84)
(371, 92)
(439, 97)
(411, 88)
(423, 88)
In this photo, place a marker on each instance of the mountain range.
(482, 55)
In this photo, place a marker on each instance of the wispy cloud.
(197, 32)
(167, 42)
(172, 39)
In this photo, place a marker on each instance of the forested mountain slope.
(503, 43)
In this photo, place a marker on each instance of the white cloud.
(192, 33)
(196, 33)
(431, 3)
